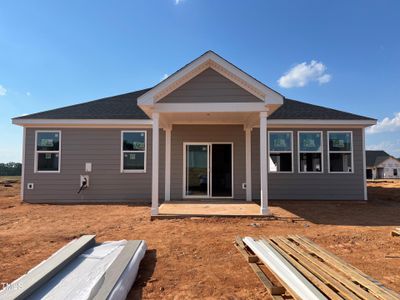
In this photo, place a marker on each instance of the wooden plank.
(249, 257)
(42, 273)
(349, 270)
(271, 288)
(351, 286)
(317, 270)
(359, 276)
(116, 269)
(295, 283)
(317, 279)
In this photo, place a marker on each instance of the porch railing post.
(155, 164)
(168, 130)
(263, 163)
(247, 130)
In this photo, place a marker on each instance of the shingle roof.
(376, 157)
(116, 107)
(125, 107)
(293, 109)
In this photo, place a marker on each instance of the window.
(340, 152)
(133, 158)
(47, 148)
(310, 151)
(280, 151)
(394, 172)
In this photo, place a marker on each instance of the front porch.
(209, 208)
(209, 91)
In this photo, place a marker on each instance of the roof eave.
(321, 122)
(80, 123)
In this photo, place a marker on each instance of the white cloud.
(386, 125)
(302, 74)
(28, 93)
(165, 76)
(3, 90)
(392, 147)
(177, 2)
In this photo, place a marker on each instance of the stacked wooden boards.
(333, 277)
(83, 269)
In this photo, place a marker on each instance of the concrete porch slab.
(209, 208)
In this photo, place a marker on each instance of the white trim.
(351, 151)
(220, 107)
(364, 165)
(133, 151)
(167, 188)
(264, 156)
(321, 152)
(35, 163)
(101, 123)
(209, 170)
(217, 63)
(155, 164)
(23, 164)
(211, 107)
(291, 152)
(321, 122)
(249, 195)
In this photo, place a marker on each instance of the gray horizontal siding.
(303, 186)
(209, 86)
(101, 147)
(207, 133)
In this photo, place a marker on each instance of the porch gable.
(209, 87)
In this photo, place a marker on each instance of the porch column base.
(154, 211)
(264, 211)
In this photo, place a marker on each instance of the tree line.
(10, 169)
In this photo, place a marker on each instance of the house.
(381, 165)
(205, 132)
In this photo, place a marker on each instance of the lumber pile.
(396, 232)
(296, 267)
(82, 269)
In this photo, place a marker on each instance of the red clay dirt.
(195, 258)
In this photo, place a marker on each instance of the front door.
(208, 170)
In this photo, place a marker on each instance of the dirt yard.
(195, 258)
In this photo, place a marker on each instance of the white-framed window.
(310, 149)
(47, 151)
(133, 151)
(280, 151)
(340, 151)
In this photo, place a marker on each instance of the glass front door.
(208, 170)
(197, 170)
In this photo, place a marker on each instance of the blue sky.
(340, 54)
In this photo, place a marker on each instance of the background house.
(381, 165)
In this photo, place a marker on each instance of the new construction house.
(208, 131)
(381, 165)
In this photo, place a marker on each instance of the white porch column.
(168, 163)
(247, 130)
(155, 164)
(263, 163)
